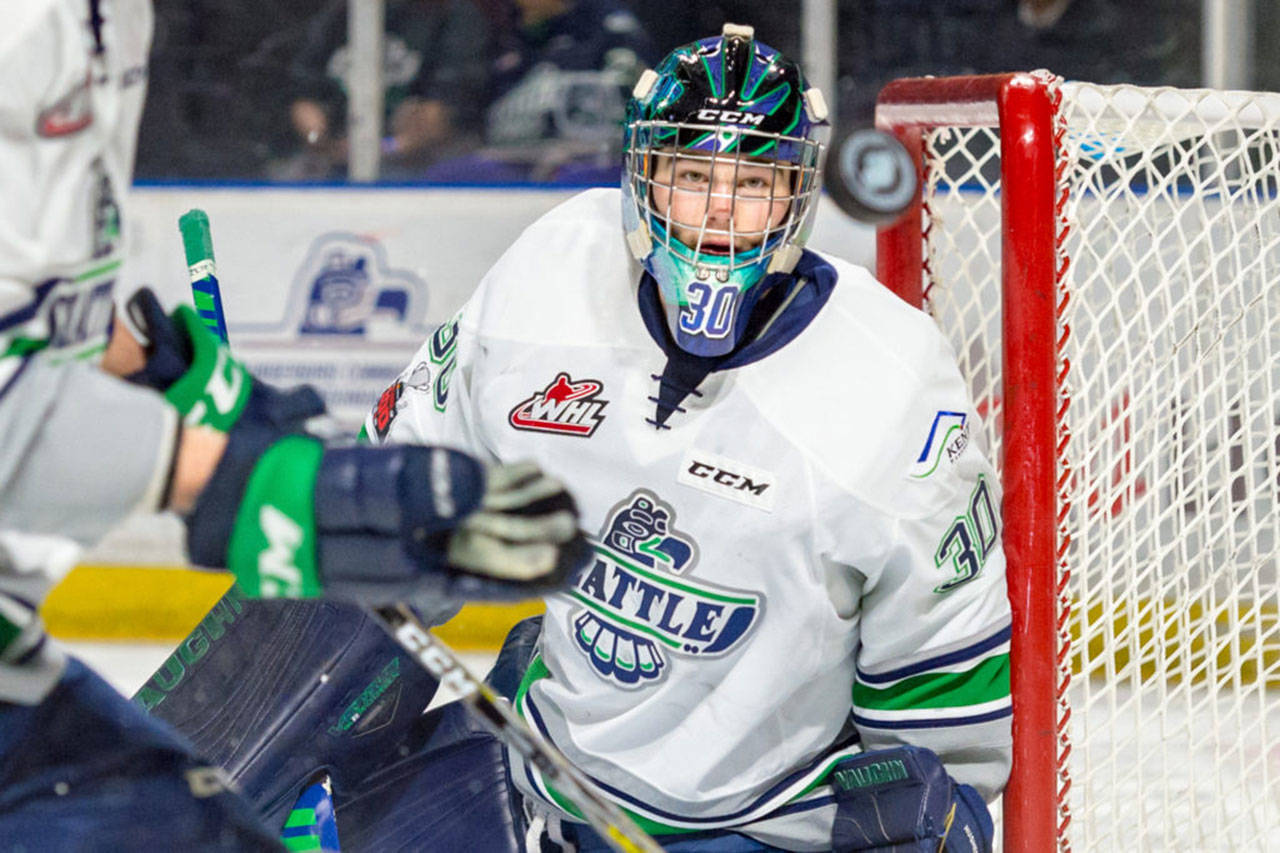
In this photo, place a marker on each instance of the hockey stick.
(492, 710)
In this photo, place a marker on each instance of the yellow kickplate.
(159, 603)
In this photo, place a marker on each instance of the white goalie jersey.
(802, 562)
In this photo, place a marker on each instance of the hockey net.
(1106, 263)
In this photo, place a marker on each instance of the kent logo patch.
(564, 407)
(948, 437)
(640, 609)
(727, 478)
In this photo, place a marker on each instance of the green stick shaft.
(197, 243)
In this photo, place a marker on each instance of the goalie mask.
(723, 155)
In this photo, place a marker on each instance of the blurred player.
(82, 449)
(795, 630)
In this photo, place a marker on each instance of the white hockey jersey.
(80, 450)
(805, 555)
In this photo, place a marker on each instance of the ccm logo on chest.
(728, 478)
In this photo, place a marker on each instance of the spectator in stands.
(559, 76)
(208, 114)
(571, 35)
(1147, 42)
(680, 21)
(433, 73)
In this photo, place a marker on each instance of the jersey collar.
(818, 278)
(803, 292)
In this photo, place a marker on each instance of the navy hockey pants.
(87, 770)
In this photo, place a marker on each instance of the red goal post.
(907, 108)
(1102, 258)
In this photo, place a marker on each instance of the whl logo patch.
(565, 407)
(384, 412)
(71, 113)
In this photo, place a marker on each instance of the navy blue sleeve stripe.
(4, 389)
(637, 804)
(933, 722)
(25, 313)
(958, 656)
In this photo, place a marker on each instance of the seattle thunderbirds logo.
(637, 611)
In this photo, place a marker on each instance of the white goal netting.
(1169, 445)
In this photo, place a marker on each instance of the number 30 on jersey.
(969, 539)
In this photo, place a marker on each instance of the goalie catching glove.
(292, 516)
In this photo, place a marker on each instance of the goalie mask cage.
(1106, 263)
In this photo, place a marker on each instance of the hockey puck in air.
(873, 178)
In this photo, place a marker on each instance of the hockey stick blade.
(605, 817)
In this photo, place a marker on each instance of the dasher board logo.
(346, 288)
(641, 613)
(565, 406)
(350, 322)
(352, 289)
(728, 478)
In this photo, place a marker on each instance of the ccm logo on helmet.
(730, 117)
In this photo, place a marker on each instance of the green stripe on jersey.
(9, 631)
(986, 682)
(818, 777)
(101, 270)
(23, 347)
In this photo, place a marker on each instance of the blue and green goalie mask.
(724, 145)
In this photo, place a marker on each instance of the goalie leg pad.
(454, 793)
(902, 800)
(90, 767)
(287, 688)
